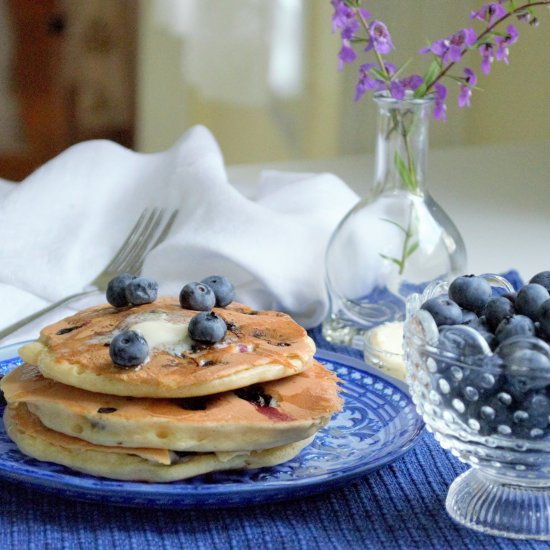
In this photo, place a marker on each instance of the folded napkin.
(62, 225)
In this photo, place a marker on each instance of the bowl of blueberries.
(478, 367)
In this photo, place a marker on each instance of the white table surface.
(497, 195)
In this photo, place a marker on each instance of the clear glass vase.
(397, 239)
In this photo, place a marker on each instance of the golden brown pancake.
(259, 346)
(260, 417)
(41, 443)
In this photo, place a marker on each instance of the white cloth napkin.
(63, 224)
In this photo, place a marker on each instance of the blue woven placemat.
(400, 506)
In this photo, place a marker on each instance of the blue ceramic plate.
(377, 425)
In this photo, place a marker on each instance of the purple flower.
(413, 82)
(379, 38)
(342, 15)
(364, 13)
(528, 17)
(463, 38)
(346, 55)
(504, 41)
(470, 80)
(440, 109)
(391, 69)
(450, 49)
(398, 88)
(490, 11)
(367, 82)
(345, 19)
(487, 57)
(348, 32)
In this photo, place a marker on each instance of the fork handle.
(41, 312)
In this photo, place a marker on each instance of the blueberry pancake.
(152, 465)
(258, 346)
(257, 417)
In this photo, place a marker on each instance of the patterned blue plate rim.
(182, 495)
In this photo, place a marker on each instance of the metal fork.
(151, 229)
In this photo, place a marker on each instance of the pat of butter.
(389, 337)
(384, 349)
(163, 334)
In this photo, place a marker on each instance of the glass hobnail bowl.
(507, 490)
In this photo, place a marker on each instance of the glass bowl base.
(496, 507)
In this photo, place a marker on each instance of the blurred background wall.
(315, 115)
(261, 74)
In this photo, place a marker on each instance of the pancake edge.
(129, 467)
(37, 354)
(162, 434)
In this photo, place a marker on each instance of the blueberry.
(116, 290)
(477, 323)
(489, 337)
(255, 394)
(222, 288)
(469, 318)
(443, 311)
(497, 310)
(543, 315)
(207, 328)
(141, 290)
(517, 343)
(493, 415)
(518, 325)
(542, 278)
(530, 298)
(526, 370)
(470, 292)
(532, 416)
(128, 349)
(198, 297)
(480, 383)
(537, 405)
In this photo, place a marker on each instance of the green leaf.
(429, 76)
(398, 263)
(395, 223)
(420, 91)
(402, 68)
(412, 249)
(433, 71)
(404, 173)
(380, 74)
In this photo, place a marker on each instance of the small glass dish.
(481, 409)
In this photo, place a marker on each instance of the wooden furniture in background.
(72, 76)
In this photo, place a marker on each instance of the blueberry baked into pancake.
(252, 418)
(163, 389)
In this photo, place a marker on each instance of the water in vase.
(397, 239)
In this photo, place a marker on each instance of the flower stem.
(407, 249)
(398, 124)
(408, 235)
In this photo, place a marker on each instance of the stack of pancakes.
(254, 399)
